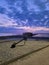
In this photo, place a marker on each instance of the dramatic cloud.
(24, 15)
(32, 7)
(6, 22)
(33, 29)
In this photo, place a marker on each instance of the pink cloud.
(33, 29)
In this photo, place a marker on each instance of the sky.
(18, 16)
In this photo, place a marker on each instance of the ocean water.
(40, 36)
(33, 38)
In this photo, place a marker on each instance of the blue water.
(34, 38)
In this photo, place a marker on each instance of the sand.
(39, 58)
(21, 55)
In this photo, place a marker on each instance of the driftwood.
(25, 37)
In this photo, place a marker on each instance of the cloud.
(6, 22)
(18, 6)
(12, 9)
(32, 7)
(47, 6)
(44, 1)
(32, 29)
(6, 34)
(4, 4)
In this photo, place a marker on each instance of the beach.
(9, 56)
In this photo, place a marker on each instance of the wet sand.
(39, 58)
(21, 55)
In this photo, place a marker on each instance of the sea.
(19, 37)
